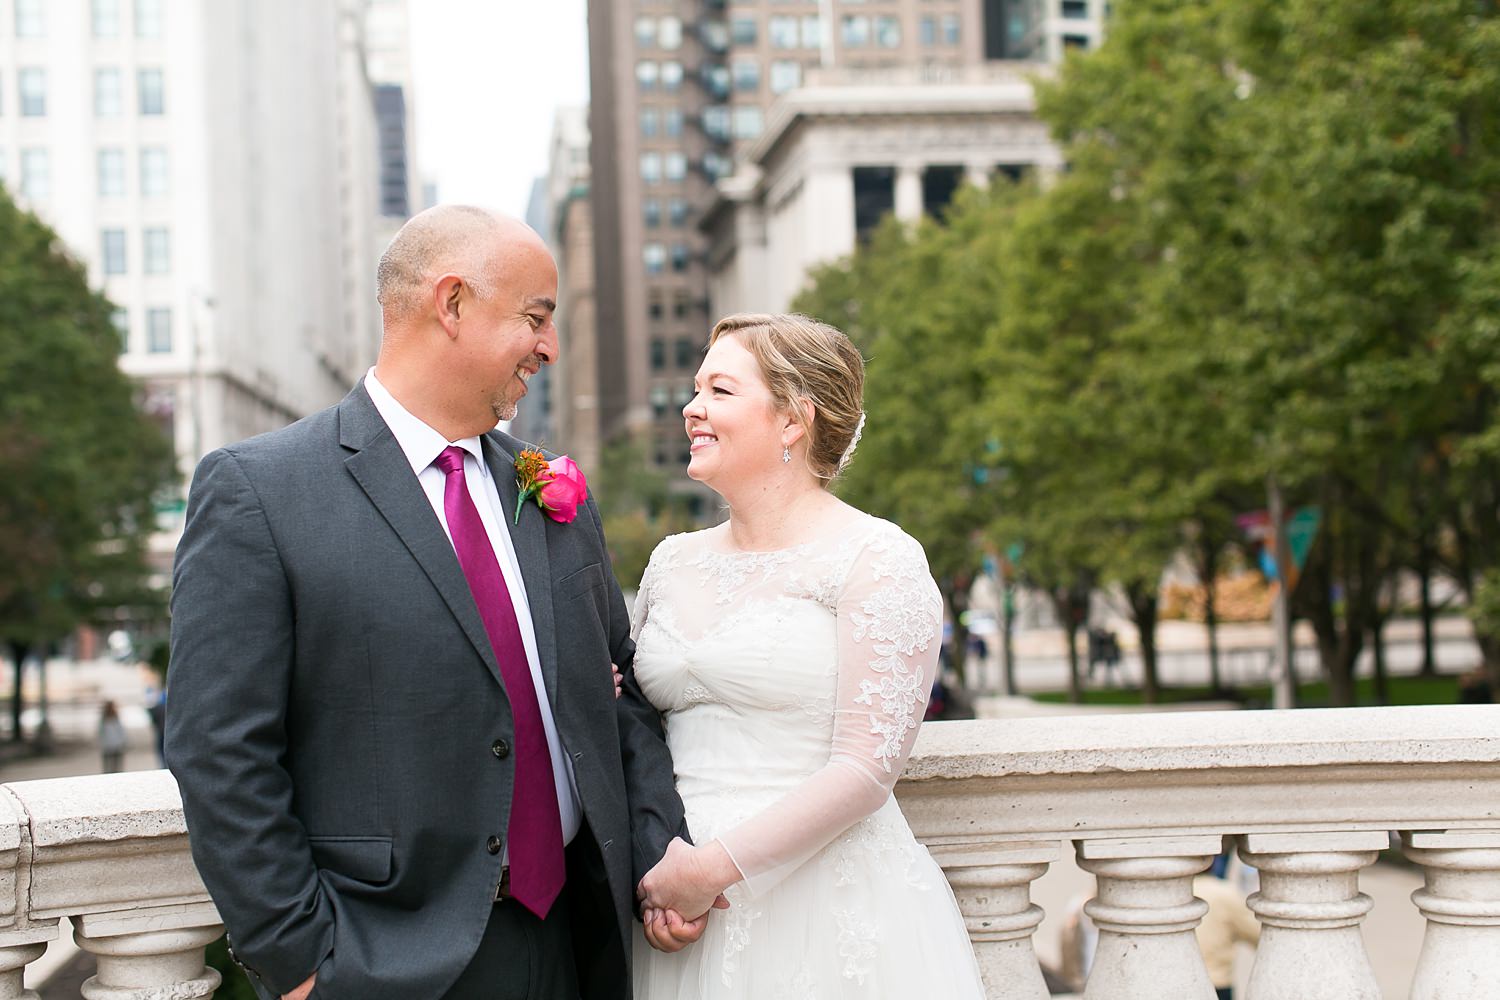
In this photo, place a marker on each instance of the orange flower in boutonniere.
(557, 486)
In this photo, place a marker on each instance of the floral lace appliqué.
(737, 920)
(856, 945)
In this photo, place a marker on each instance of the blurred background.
(1182, 316)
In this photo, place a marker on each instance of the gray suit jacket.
(335, 701)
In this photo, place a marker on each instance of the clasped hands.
(678, 894)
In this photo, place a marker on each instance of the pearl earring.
(786, 455)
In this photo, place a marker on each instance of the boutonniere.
(558, 486)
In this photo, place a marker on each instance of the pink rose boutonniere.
(557, 486)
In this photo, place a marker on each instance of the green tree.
(637, 506)
(80, 465)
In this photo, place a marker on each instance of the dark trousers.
(521, 957)
(1225, 992)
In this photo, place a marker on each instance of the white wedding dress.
(792, 684)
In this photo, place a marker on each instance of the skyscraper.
(681, 90)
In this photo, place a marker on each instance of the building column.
(909, 192)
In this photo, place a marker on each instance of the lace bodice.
(791, 682)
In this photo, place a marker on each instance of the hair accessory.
(859, 429)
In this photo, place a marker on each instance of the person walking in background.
(111, 739)
(1227, 922)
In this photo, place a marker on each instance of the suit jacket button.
(492, 845)
(500, 749)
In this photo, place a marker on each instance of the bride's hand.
(689, 880)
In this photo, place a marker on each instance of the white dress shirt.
(422, 445)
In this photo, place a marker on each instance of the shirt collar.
(419, 441)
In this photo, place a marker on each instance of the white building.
(214, 165)
(850, 147)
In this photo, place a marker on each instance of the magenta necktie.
(535, 835)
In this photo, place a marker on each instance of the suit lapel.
(382, 471)
(529, 537)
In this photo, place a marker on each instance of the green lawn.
(1403, 691)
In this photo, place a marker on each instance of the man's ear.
(446, 296)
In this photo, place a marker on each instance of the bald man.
(405, 770)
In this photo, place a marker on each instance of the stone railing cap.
(1188, 741)
(100, 808)
(11, 821)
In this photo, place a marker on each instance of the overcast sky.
(488, 75)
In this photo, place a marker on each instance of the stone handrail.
(1145, 801)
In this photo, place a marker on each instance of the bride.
(791, 651)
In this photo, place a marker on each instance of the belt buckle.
(502, 888)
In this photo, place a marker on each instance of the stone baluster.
(1460, 957)
(1146, 914)
(19, 949)
(150, 954)
(992, 883)
(1310, 909)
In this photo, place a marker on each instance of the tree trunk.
(1143, 612)
(1007, 627)
(1064, 603)
(20, 651)
(1489, 647)
(1429, 613)
(1377, 650)
(1211, 622)
(958, 648)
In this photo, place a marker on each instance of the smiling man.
(393, 718)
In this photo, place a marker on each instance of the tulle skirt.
(870, 917)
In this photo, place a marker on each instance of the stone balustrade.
(1145, 802)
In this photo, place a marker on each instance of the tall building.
(684, 90)
(214, 165)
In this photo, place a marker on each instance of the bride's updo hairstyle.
(802, 359)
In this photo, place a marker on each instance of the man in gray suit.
(405, 769)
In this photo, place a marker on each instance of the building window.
(714, 34)
(30, 22)
(33, 89)
(156, 244)
(680, 257)
(856, 31)
(671, 76)
(36, 174)
(646, 73)
(812, 31)
(651, 167)
(747, 122)
(148, 19)
(645, 32)
(649, 120)
(669, 33)
(106, 18)
(684, 352)
(746, 75)
(651, 208)
(154, 179)
(950, 29)
(677, 212)
(1075, 42)
(1075, 10)
(120, 320)
(159, 331)
(682, 305)
(743, 31)
(151, 91)
(659, 399)
(658, 355)
(111, 173)
(888, 32)
(716, 81)
(654, 308)
(671, 121)
(874, 196)
(717, 165)
(109, 93)
(112, 251)
(785, 75)
(716, 122)
(783, 32)
(676, 166)
(927, 31)
(655, 257)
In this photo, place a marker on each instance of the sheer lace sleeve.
(643, 595)
(889, 629)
